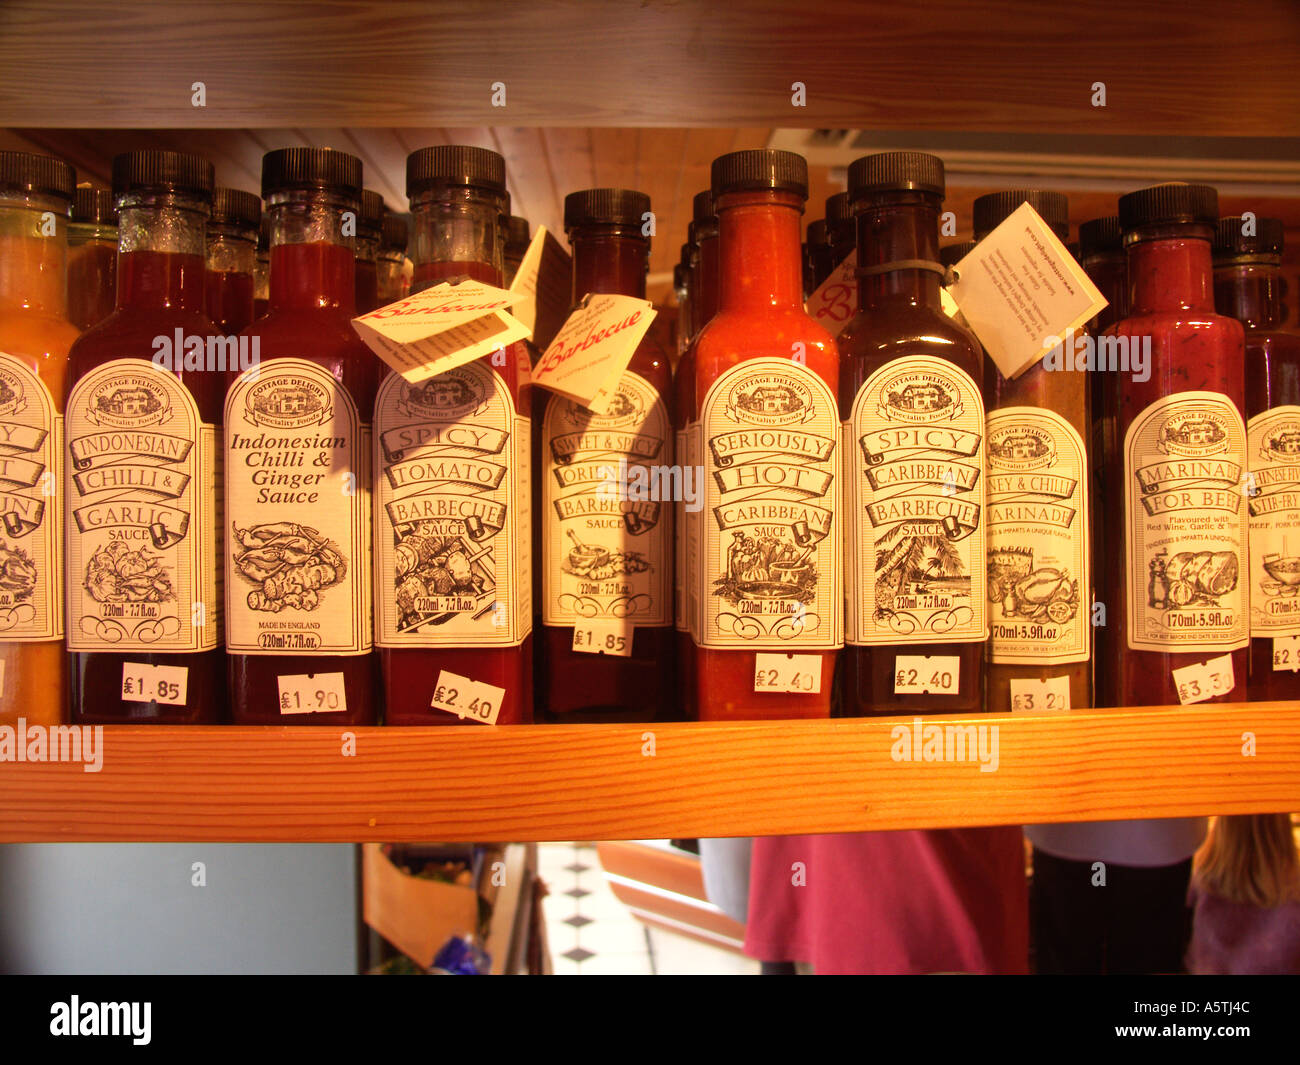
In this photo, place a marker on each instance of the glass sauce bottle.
(517, 238)
(142, 480)
(1247, 287)
(298, 567)
(392, 257)
(820, 259)
(914, 459)
(454, 563)
(232, 258)
(1176, 595)
(766, 545)
(370, 231)
(841, 232)
(92, 257)
(262, 269)
(35, 335)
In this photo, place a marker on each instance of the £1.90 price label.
(467, 698)
(926, 674)
(1037, 695)
(312, 693)
(1286, 653)
(142, 683)
(801, 674)
(603, 636)
(1204, 680)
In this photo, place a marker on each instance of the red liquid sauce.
(158, 294)
(311, 297)
(410, 674)
(229, 298)
(367, 281)
(92, 282)
(260, 307)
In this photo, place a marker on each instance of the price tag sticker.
(1204, 680)
(1039, 695)
(312, 693)
(143, 683)
(927, 674)
(1286, 653)
(603, 636)
(467, 698)
(800, 674)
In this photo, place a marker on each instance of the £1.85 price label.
(603, 636)
(1038, 695)
(142, 683)
(467, 698)
(800, 674)
(1286, 653)
(1204, 680)
(926, 674)
(312, 693)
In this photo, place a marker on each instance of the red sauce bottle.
(262, 269)
(603, 560)
(392, 257)
(455, 590)
(1247, 287)
(765, 542)
(142, 479)
(232, 258)
(92, 257)
(299, 635)
(517, 238)
(1176, 594)
(841, 231)
(820, 258)
(915, 498)
(370, 231)
(686, 328)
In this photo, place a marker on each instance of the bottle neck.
(1250, 291)
(232, 253)
(1109, 272)
(706, 281)
(758, 251)
(1169, 269)
(456, 232)
(608, 259)
(34, 254)
(895, 228)
(160, 252)
(312, 261)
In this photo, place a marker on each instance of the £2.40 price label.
(312, 693)
(1286, 653)
(472, 699)
(927, 674)
(603, 636)
(801, 674)
(143, 683)
(1036, 695)
(1204, 680)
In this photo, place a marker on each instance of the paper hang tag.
(544, 283)
(594, 347)
(440, 328)
(836, 298)
(1020, 288)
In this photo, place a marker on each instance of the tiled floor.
(591, 933)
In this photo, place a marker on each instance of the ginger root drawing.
(291, 564)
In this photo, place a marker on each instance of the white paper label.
(468, 699)
(1286, 654)
(1273, 441)
(1204, 680)
(836, 299)
(143, 683)
(544, 283)
(587, 358)
(801, 674)
(1018, 287)
(927, 674)
(603, 636)
(1040, 695)
(312, 693)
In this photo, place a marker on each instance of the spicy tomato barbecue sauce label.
(1185, 525)
(1274, 505)
(916, 548)
(141, 485)
(770, 573)
(297, 514)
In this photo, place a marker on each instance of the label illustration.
(770, 566)
(1185, 525)
(1037, 519)
(914, 462)
(31, 519)
(1273, 440)
(452, 526)
(297, 500)
(141, 484)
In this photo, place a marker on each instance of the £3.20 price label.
(312, 693)
(801, 674)
(1286, 653)
(143, 683)
(926, 674)
(1204, 680)
(1037, 695)
(472, 699)
(603, 636)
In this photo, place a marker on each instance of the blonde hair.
(1251, 859)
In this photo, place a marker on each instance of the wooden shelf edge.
(646, 781)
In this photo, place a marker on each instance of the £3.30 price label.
(603, 636)
(472, 699)
(144, 683)
(926, 674)
(1204, 680)
(801, 674)
(1286, 653)
(1037, 695)
(312, 693)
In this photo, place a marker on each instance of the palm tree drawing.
(914, 558)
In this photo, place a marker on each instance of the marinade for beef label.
(1274, 505)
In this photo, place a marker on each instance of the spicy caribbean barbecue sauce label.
(1185, 526)
(914, 461)
(297, 514)
(141, 485)
(771, 565)
(606, 526)
(452, 530)
(1274, 586)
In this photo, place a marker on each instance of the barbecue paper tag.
(1021, 291)
(442, 327)
(594, 347)
(544, 283)
(836, 299)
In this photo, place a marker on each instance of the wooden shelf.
(527, 783)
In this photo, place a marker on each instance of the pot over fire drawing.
(770, 565)
(289, 564)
